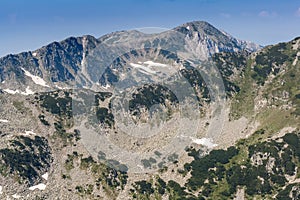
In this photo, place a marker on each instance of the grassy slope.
(268, 78)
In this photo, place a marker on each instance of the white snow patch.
(61, 88)
(58, 87)
(143, 68)
(28, 91)
(106, 87)
(208, 142)
(40, 186)
(205, 142)
(4, 120)
(28, 133)
(84, 44)
(151, 64)
(1, 190)
(37, 80)
(84, 70)
(34, 54)
(9, 91)
(188, 27)
(45, 176)
(16, 196)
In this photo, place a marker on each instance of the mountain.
(209, 40)
(59, 63)
(188, 113)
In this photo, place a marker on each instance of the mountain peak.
(198, 26)
(214, 39)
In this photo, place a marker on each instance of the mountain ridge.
(59, 62)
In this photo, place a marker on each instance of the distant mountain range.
(59, 63)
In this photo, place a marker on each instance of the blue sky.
(30, 24)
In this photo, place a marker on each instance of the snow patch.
(1, 190)
(188, 27)
(40, 186)
(143, 68)
(151, 64)
(61, 88)
(208, 142)
(28, 133)
(9, 91)
(84, 44)
(36, 79)
(205, 142)
(45, 176)
(106, 86)
(16, 196)
(84, 70)
(4, 120)
(34, 54)
(28, 91)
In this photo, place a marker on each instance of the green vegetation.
(267, 60)
(85, 190)
(248, 165)
(57, 102)
(276, 63)
(285, 193)
(66, 137)
(243, 102)
(104, 174)
(42, 119)
(150, 95)
(105, 116)
(143, 187)
(108, 178)
(147, 163)
(201, 168)
(69, 163)
(101, 96)
(19, 106)
(26, 159)
(228, 63)
(195, 79)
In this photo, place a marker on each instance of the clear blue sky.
(30, 24)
